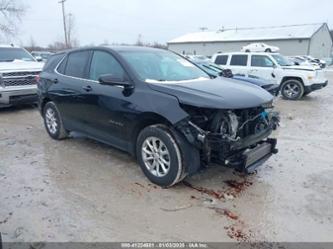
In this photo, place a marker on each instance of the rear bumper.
(18, 95)
(315, 86)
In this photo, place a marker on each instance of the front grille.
(19, 74)
(26, 78)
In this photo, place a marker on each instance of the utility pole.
(64, 20)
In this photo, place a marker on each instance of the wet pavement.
(81, 190)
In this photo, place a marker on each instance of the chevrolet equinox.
(159, 107)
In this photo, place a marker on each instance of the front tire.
(53, 122)
(159, 156)
(268, 50)
(292, 89)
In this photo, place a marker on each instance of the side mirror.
(39, 59)
(109, 79)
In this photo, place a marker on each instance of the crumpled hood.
(20, 66)
(219, 93)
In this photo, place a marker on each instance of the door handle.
(87, 88)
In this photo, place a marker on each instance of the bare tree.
(11, 12)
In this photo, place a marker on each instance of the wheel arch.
(191, 155)
(43, 103)
(145, 120)
(286, 78)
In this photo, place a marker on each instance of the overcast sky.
(121, 21)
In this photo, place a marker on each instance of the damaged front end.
(233, 138)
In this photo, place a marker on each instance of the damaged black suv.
(159, 107)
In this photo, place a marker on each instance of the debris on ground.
(238, 186)
(226, 212)
(177, 208)
(210, 192)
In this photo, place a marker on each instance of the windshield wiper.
(6, 60)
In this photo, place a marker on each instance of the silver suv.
(18, 76)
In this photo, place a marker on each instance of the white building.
(307, 39)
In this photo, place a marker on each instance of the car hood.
(20, 66)
(219, 93)
(301, 67)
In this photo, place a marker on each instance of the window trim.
(88, 80)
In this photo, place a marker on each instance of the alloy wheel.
(51, 121)
(292, 90)
(156, 156)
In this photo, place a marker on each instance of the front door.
(106, 106)
(263, 67)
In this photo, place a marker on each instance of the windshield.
(282, 61)
(11, 54)
(162, 66)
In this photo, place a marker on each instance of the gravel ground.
(81, 190)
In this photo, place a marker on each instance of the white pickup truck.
(295, 81)
(18, 76)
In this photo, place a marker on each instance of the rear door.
(238, 63)
(68, 88)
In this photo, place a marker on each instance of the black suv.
(158, 106)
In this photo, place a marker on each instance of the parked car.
(300, 61)
(260, 47)
(41, 55)
(216, 71)
(159, 107)
(18, 72)
(295, 81)
(311, 59)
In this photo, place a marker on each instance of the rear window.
(52, 62)
(221, 60)
(77, 63)
(238, 60)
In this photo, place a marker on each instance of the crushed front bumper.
(315, 86)
(18, 95)
(249, 159)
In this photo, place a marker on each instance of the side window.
(105, 63)
(76, 64)
(261, 61)
(238, 60)
(221, 60)
(62, 67)
(52, 62)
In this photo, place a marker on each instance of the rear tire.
(268, 50)
(53, 122)
(247, 51)
(160, 156)
(292, 89)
